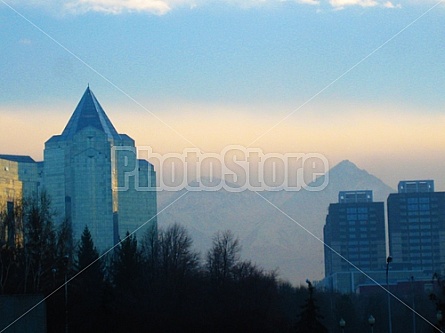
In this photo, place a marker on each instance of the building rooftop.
(89, 113)
(18, 158)
(416, 186)
(355, 196)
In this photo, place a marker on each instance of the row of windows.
(361, 252)
(425, 262)
(419, 219)
(424, 254)
(417, 240)
(352, 248)
(358, 243)
(422, 219)
(418, 200)
(416, 249)
(418, 207)
(417, 227)
(353, 210)
(361, 229)
(356, 256)
(354, 236)
(342, 223)
(354, 217)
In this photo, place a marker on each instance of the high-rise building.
(355, 229)
(416, 224)
(93, 177)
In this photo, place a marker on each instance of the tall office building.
(416, 221)
(355, 228)
(94, 178)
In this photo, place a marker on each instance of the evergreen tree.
(87, 257)
(65, 241)
(309, 321)
(127, 263)
(127, 297)
(88, 287)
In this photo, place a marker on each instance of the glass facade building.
(416, 222)
(92, 176)
(354, 233)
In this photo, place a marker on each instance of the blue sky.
(224, 72)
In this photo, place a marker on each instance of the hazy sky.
(353, 79)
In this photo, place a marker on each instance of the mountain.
(278, 230)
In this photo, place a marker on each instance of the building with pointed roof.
(94, 178)
(89, 113)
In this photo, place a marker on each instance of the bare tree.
(39, 242)
(177, 259)
(150, 252)
(223, 257)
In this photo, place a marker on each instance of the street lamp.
(65, 260)
(439, 317)
(371, 321)
(414, 304)
(342, 324)
(388, 260)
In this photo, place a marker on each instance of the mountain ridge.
(273, 236)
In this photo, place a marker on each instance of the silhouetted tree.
(88, 287)
(177, 260)
(10, 247)
(65, 240)
(39, 243)
(223, 257)
(437, 296)
(126, 264)
(87, 257)
(150, 254)
(309, 321)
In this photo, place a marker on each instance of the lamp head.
(342, 323)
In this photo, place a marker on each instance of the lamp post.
(342, 324)
(439, 317)
(371, 321)
(65, 264)
(388, 260)
(414, 304)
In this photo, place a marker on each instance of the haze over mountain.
(277, 230)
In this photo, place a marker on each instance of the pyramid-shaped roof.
(89, 113)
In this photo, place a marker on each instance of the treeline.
(161, 284)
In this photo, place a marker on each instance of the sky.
(351, 79)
